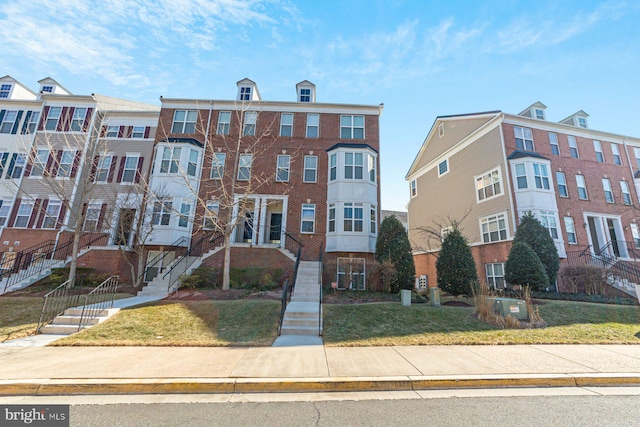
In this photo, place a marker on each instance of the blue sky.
(420, 58)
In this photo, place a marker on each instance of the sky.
(422, 59)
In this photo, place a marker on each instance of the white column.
(256, 211)
(263, 220)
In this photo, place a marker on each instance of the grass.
(568, 323)
(18, 317)
(186, 323)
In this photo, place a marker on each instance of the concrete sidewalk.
(127, 370)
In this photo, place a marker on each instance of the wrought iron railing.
(320, 270)
(197, 249)
(56, 302)
(98, 300)
(288, 289)
(157, 264)
(621, 249)
(286, 297)
(616, 269)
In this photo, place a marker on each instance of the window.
(539, 114)
(244, 167)
(286, 124)
(494, 228)
(211, 214)
(249, 128)
(245, 93)
(582, 187)
(305, 95)
(39, 162)
(138, 132)
(562, 184)
(521, 175)
(353, 219)
(192, 166)
(636, 153)
(33, 121)
(573, 146)
(7, 121)
(333, 167)
(553, 142)
(170, 162)
(112, 131)
(541, 176)
(570, 228)
(18, 167)
(313, 125)
(582, 122)
(443, 167)
(130, 169)
(47, 89)
(441, 130)
(352, 127)
(162, 211)
(372, 220)
(66, 163)
(353, 165)
(332, 218)
(488, 185)
(548, 220)
(282, 168)
(635, 232)
(495, 275)
(4, 212)
(5, 90)
(310, 169)
(103, 168)
(51, 214)
(308, 218)
(77, 120)
(217, 166)
(24, 213)
(52, 118)
(524, 138)
(414, 188)
(185, 210)
(224, 122)
(184, 121)
(597, 146)
(372, 168)
(616, 154)
(626, 195)
(608, 193)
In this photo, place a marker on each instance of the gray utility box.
(510, 307)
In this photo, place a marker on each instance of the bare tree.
(435, 234)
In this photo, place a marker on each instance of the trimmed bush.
(533, 233)
(523, 268)
(455, 266)
(263, 279)
(393, 246)
(586, 279)
(85, 276)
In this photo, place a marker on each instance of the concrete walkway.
(140, 370)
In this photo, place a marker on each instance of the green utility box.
(510, 307)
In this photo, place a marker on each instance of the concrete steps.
(68, 323)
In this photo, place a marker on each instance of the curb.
(112, 386)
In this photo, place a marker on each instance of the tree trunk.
(226, 275)
(139, 274)
(73, 266)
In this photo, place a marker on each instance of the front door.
(275, 228)
(612, 236)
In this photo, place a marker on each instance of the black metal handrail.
(286, 297)
(182, 264)
(614, 267)
(321, 269)
(631, 248)
(56, 302)
(98, 300)
(160, 258)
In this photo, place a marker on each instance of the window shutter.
(139, 169)
(76, 163)
(12, 164)
(3, 162)
(87, 120)
(94, 168)
(34, 213)
(112, 168)
(16, 124)
(123, 159)
(27, 168)
(63, 123)
(147, 129)
(121, 132)
(2, 115)
(43, 210)
(43, 118)
(63, 211)
(129, 131)
(52, 165)
(14, 212)
(25, 124)
(103, 212)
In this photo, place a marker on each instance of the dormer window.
(582, 122)
(305, 95)
(306, 91)
(539, 113)
(5, 90)
(245, 93)
(48, 89)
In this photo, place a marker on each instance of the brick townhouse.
(487, 169)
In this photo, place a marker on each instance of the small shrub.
(202, 278)
(533, 233)
(85, 277)
(524, 268)
(254, 278)
(393, 246)
(586, 279)
(455, 267)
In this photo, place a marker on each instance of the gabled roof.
(538, 105)
(10, 79)
(46, 80)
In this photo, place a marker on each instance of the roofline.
(310, 105)
(482, 113)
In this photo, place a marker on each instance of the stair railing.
(286, 297)
(614, 267)
(99, 299)
(182, 264)
(158, 260)
(320, 270)
(56, 302)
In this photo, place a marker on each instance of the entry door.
(275, 228)
(593, 231)
(612, 236)
(125, 225)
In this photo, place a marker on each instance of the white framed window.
(224, 122)
(524, 138)
(47, 89)
(244, 167)
(77, 120)
(217, 165)
(353, 217)
(103, 168)
(443, 167)
(184, 121)
(413, 188)
(286, 124)
(185, 211)
(561, 180)
(636, 154)
(553, 142)
(310, 169)
(635, 233)
(494, 228)
(495, 275)
(372, 168)
(211, 214)
(541, 176)
(8, 120)
(548, 220)
(332, 218)
(615, 150)
(249, 127)
(282, 168)
(5, 91)
(4, 211)
(313, 125)
(138, 132)
(582, 122)
(192, 165)
(18, 167)
(352, 127)
(582, 187)
(570, 228)
(92, 217)
(52, 118)
(24, 213)
(112, 131)
(539, 114)
(245, 93)
(521, 175)
(372, 219)
(626, 194)
(66, 163)
(308, 219)
(489, 185)
(305, 95)
(130, 169)
(333, 167)
(352, 274)
(573, 146)
(170, 162)
(51, 214)
(39, 162)
(353, 165)
(608, 192)
(597, 146)
(162, 211)
(33, 121)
